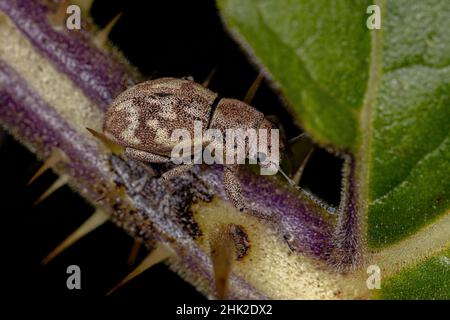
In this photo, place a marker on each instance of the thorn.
(61, 181)
(85, 5)
(298, 174)
(108, 143)
(134, 252)
(159, 254)
(209, 77)
(58, 17)
(253, 88)
(223, 252)
(295, 139)
(304, 148)
(101, 38)
(57, 155)
(93, 222)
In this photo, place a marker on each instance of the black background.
(162, 38)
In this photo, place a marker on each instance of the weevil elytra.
(142, 118)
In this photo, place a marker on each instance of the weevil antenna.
(262, 157)
(291, 182)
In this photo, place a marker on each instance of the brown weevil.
(142, 118)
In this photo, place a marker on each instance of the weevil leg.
(154, 158)
(176, 171)
(145, 156)
(233, 186)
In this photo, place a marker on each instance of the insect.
(142, 118)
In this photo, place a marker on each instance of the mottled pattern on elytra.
(144, 116)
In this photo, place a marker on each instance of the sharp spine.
(134, 252)
(85, 5)
(223, 253)
(110, 145)
(101, 38)
(209, 77)
(253, 88)
(60, 182)
(92, 223)
(159, 254)
(56, 156)
(298, 174)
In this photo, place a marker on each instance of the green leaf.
(325, 85)
(427, 280)
(383, 95)
(410, 148)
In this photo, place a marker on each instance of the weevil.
(142, 118)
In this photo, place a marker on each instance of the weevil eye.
(261, 156)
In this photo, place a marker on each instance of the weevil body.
(142, 118)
